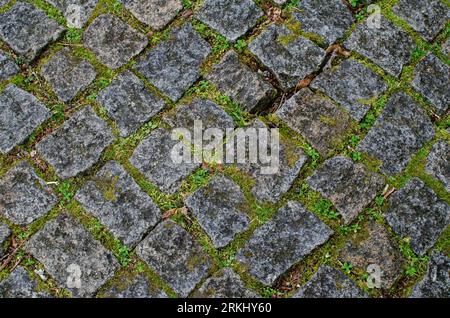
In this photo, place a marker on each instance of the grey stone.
(21, 113)
(174, 65)
(19, 285)
(388, 46)
(220, 209)
(237, 80)
(348, 185)
(72, 256)
(77, 12)
(68, 74)
(436, 283)
(330, 283)
(398, 133)
(3, 2)
(129, 103)
(175, 256)
(432, 80)
(5, 232)
(291, 58)
(231, 18)
(24, 197)
(316, 118)
(140, 287)
(446, 47)
(8, 67)
(155, 13)
(77, 145)
(283, 241)
(438, 163)
(113, 41)
(118, 202)
(352, 85)
(28, 30)
(416, 212)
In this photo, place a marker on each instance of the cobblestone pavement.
(92, 206)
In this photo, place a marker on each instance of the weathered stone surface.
(348, 185)
(436, 283)
(289, 57)
(416, 212)
(5, 232)
(21, 113)
(19, 285)
(438, 163)
(175, 256)
(235, 79)
(68, 74)
(330, 283)
(113, 41)
(283, 241)
(174, 65)
(155, 13)
(432, 80)
(220, 208)
(327, 18)
(388, 46)
(316, 118)
(428, 18)
(118, 202)
(129, 103)
(231, 18)
(140, 287)
(400, 131)
(77, 144)
(352, 85)
(72, 256)
(8, 67)
(24, 197)
(224, 284)
(3, 2)
(446, 47)
(77, 12)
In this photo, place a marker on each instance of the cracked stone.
(76, 12)
(398, 133)
(155, 13)
(349, 186)
(77, 145)
(19, 285)
(438, 163)
(174, 65)
(237, 80)
(117, 201)
(129, 103)
(113, 41)
(416, 212)
(283, 241)
(140, 287)
(68, 74)
(290, 57)
(436, 283)
(172, 252)
(21, 113)
(352, 85)
(8, 67)
(72, 256)
(220, 209)
(5, 232)
(24, 197)
(28, 30)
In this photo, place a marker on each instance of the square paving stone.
(72, 256)
(220, 209)
(19, 285)
(113, 41)
(77, 12)
(174, 65)
(24, 197)
(327, 18)
(388, 46)
(352, 85)
(140, 287)
(129, 103)
(330, 283)
(8, 67)
(117, 201)
(155, 13)
(283, 241)
(316, 118)
(438, 163)
(237, 80)
(21, 113)
(77, 145)
(175, 256)
(400, 131)
(428, 18)
(432, 80)
(416, 212)
(68, 74)
(224, 284)
(5, 232)
(348, 185)
(28, 30)
(290, 59)
(231, 18)
(436, 283)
